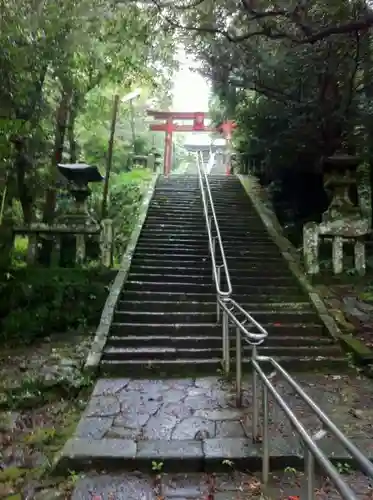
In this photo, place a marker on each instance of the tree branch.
(192, 5)
(310, 38)
(352, 87)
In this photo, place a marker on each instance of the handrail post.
(218, 274)
(238, 368)
(310, 475)
(226, 347)
(265, 462)
(255, 424)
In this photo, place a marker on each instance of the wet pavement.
(232, 486)
(194, 424)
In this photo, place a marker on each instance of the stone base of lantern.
(351, 231)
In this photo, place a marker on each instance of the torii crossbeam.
(168, 126)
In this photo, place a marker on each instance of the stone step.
(170, 214)
(200, 306)
(206, 269)
(170, 252)
(193, 203)
(184, 367)
(198, 229)
(298, 329)
(198, 216)
(173, 353)
(221, 208)
(194, 211)
(177, 197)
(194, 207)
(198, 486)
(202, 250)
(197, 235)
(149, 317)
(170, 316)
(200, 240)
(206, 341)
(200, 221)
(159, 261)
(207, 279)
(186, 197)
(164, 296)
(177, 190)
(188, 287)
(240, 247)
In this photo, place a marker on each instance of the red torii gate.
(168, 126)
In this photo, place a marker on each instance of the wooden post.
(133, 132)
(109, 157)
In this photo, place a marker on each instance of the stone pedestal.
(342, 223)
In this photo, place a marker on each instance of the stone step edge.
(215, 454)
(316, 359)
(199, 338)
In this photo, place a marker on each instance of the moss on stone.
(360, 351)
(12, 474)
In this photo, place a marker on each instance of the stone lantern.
(154, 160)
(339, 177)
(79, 176)
(140, 160)
(342, 223)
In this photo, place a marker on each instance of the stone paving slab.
(233, 486)
(195, 421)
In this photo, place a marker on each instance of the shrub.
(37, 302)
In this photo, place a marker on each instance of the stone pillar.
(311, 247)
(32, 248)
(56, 251)
(360, 262)
(364, 191)
(106, 242)
(337, 254)
(80, 249)
(151, 162)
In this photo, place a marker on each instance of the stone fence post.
(106, 242)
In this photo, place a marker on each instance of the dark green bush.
(35, 303)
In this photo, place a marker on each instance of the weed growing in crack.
(158, 486)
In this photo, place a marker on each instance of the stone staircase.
(165, 321)
(165, 326)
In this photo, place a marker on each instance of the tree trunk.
(74, 108)
(59, 139)
(22, 166)
(367, 61)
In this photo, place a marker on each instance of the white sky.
(191, 93)
(191, 90)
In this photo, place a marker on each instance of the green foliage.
(294, 100)
(37, 302)
(125, 200)
(61, 64)
(126, 193)
(38, 391)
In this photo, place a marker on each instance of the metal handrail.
(313, 450)
(230, 308)
(211, 222)
(314, 453)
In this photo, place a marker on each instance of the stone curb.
(208, 455)
(102, 332)
(262, 205)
